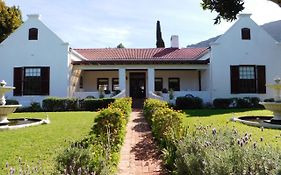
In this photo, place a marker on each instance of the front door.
(137, 85)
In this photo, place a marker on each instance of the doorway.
(137, 85)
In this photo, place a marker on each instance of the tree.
(227, 9)
(159, 41)
(10, 20)
(120, 46)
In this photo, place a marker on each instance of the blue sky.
(106, 23)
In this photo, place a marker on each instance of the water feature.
(5, 110)
(275, 107)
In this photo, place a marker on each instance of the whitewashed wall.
(48, 50)
(188, 78)
(230, 49)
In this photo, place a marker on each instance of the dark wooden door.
(137, 85)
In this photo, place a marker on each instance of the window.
(81, 82)
(115, 84)
(33, 34)
(174, 83)
(102, 83)
(31, 81)
(247, 79)
(158, 84)
(246, 34)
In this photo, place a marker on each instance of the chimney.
(174, 41)
(33, 16)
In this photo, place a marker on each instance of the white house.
(39, 64)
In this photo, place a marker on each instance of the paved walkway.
(139, 155)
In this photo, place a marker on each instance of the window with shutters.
(33, 34)
(245, 34)
(31, 81)
(247, 79)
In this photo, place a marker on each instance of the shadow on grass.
(210, 112)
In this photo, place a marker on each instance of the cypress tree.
(159, 41)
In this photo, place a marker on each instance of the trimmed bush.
(11, 102)
(60, 104)
(222, 103)
(33, 107)
(166, 127)
(111, 122)
(98, 153)
(95, 104)
(245, 102)
(189, 103)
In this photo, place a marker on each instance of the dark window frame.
(178, 86)
(246, 33)
(32, 81)
(155, 85)
(248, 82)
(33, 34)
(112, 84)
(98, 79)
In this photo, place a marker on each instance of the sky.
(106, 23)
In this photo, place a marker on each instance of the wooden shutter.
(234, 79)
(45, 80)
(18, 79)
(261, 79)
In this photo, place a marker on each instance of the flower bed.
(207, 150)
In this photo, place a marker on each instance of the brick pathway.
(139, 155)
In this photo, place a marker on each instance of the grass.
(220, 118)
(42, 143)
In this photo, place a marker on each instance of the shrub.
(125, 104)
(111, 121)
(222, 103)
(95, 104)
(98, 153)
(107, 92)
(11, 102)
(245, 102)
(269, 100)
(164, 91)
(151, 105)
(60, 104)
(189, 103)
(33, 107)
(211, 151)
(166, 127)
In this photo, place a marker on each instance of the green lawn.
(221, 119)
(42, 143)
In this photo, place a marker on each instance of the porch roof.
(143, 56)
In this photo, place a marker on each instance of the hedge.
(74, 104)
(244, 102)
(167, 128)
(189, 103)
(98, 152)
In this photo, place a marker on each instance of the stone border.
(256, 124)
(38, 122)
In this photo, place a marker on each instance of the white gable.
(48, 50)
(231, 49)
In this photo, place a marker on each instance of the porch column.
(150, 80)
(122, 79)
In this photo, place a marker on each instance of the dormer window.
(33, 34)
(246, 34)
